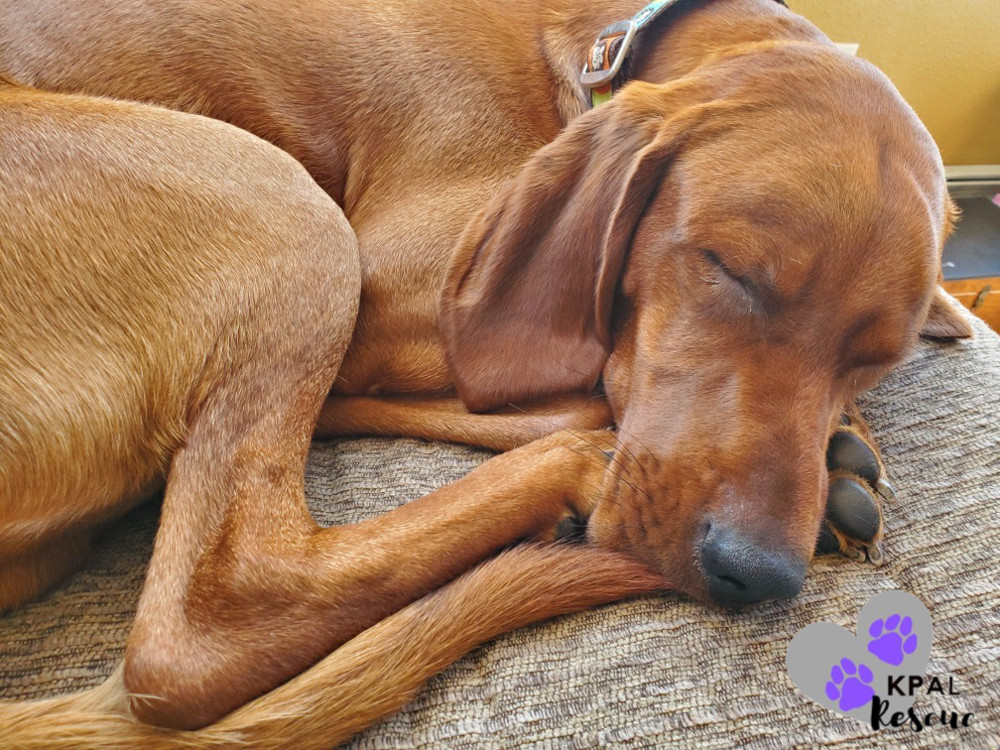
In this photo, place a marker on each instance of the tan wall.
(943, 55)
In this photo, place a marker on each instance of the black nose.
(741, 571)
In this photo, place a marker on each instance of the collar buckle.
(602, 68)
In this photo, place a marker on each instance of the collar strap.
(607, 65)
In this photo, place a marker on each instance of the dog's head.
(738, 254)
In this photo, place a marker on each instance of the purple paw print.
(893, 639)
(850, 684)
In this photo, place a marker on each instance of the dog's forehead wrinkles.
(752, 243)
(790, 234)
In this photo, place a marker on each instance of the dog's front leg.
(244, 591)
(445, 418)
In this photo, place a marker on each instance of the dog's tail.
(369, 677)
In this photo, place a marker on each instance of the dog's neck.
(670, 48)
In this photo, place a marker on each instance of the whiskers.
(610, 462)
(651, 483)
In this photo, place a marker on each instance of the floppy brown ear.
(943, 322)
(526, 307)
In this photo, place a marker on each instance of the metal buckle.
(595, 78)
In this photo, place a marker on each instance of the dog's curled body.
(696, 241)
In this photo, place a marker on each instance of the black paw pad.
(849, 452)
(571, 529)
(826, 543)
(851, 507)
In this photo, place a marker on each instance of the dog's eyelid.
(718, 264)
(713, 257)
(750, 285)
(717, 260)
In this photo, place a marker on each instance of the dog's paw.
(858, 486)
(584, 456)
(571, 529)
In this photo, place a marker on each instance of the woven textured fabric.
(658, 670)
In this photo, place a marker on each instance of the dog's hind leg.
(244, 592)
(134, 240)
(231, 557)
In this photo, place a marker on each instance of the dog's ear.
(526, 307)
(943, 322)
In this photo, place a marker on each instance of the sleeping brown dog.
(717, 261)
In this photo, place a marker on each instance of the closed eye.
(718, 272)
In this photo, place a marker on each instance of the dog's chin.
(683, 573)
(679, 571)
